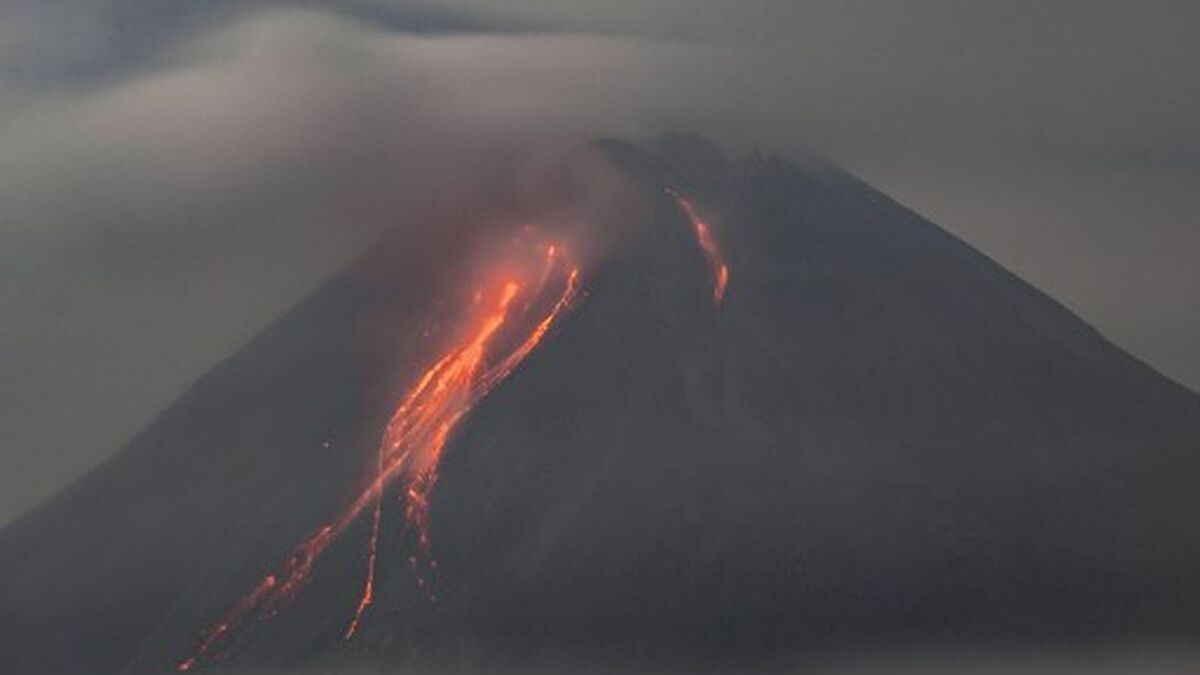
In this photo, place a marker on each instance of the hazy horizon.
(147, 174)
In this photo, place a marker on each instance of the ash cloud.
(153, 224)
(173, 178)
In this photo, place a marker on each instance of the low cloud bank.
(168, 185)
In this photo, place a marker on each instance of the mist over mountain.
(877, 437)
(153, 154)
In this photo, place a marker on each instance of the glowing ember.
(708, 244)
(496, 336)
(368, 593)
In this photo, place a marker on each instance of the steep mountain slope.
(877, 435)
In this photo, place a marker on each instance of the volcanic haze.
(779, 414)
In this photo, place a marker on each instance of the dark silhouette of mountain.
(881, 436)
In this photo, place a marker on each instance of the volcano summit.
(776, 412)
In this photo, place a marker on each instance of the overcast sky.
(174, 175)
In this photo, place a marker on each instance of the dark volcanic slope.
(882, 435)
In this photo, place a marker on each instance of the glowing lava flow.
(708, 244)
(490, 348)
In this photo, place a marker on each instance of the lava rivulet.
(708, 244)
(507, 320)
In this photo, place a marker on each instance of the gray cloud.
(170, 180)
(154, 223)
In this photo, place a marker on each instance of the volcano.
(778, 413)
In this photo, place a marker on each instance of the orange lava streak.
(506, 366)
(412, 446)
(368, 593)
(708, 244)
(244, 606)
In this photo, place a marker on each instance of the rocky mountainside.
(878, 435)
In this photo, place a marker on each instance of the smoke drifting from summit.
(171, 181)
(191, 205)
